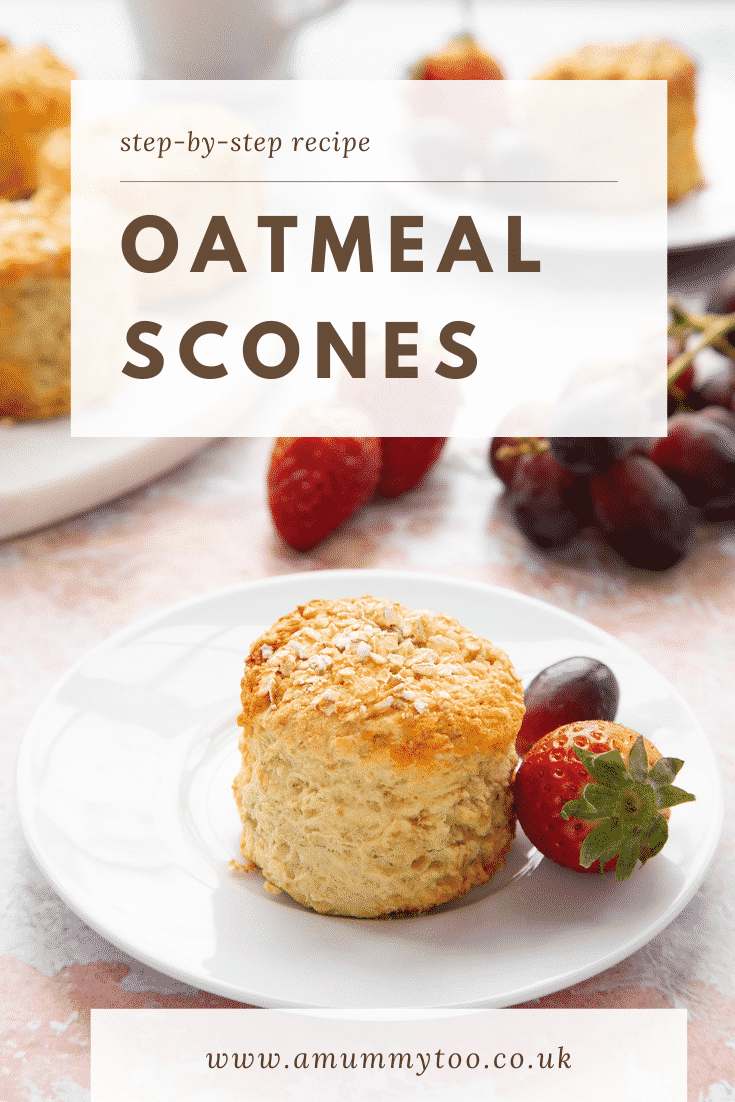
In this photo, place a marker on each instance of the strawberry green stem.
(626, 804)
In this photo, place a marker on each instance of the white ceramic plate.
(703, 219)
(124, 792)
(46, 475)
(708, 216)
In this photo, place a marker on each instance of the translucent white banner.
(456, 1056)
(399, 258)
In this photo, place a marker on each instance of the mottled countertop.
(206, 525)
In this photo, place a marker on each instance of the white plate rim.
(107, 468)
(618, 234)
(545, 986)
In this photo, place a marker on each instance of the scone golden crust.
(35, 263)
(378, 753)
(646, 60)
(35, 99)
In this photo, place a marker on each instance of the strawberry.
(317, 482)
(594, 795)
(461, 59)
(406, 459)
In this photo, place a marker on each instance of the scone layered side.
(377, 757)
(35, 246)
(350, 840)
(35, 263)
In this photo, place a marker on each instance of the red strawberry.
(406, 459)
(596, 793)
(461, 59)
(316, 482)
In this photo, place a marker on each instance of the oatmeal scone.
(647, 59)
(35, 99)
(35, 267)
(377, 755)
(35, 241)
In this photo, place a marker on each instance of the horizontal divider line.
(368, 181)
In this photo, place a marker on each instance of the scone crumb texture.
(237, 866)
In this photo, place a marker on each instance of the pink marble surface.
(65, 589)
(207, 525)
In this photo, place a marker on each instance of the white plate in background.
(701, 220)
(124, 790)
(46, 475)
(708, 216)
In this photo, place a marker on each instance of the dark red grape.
(698, 455)
(590, 454)
(644, 515)
(685, 380)
(717, 390)
(683, 392)
(722, 301)
(723, 508)
(570, 690)
(578, 499)
(722, 416)
(547, 502)
(505, 466)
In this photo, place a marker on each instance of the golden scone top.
(645, 59)
(34, 89)
(360, 675)
(656, 59)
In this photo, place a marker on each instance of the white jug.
(215, 39)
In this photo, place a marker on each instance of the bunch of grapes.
(646, 496)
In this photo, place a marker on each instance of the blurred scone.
(35, 99)
(35, 264)
(377, 755)
(35, 245)
(646, 60)
(54, 161)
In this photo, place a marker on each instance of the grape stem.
(713, 327)
(527, 445)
